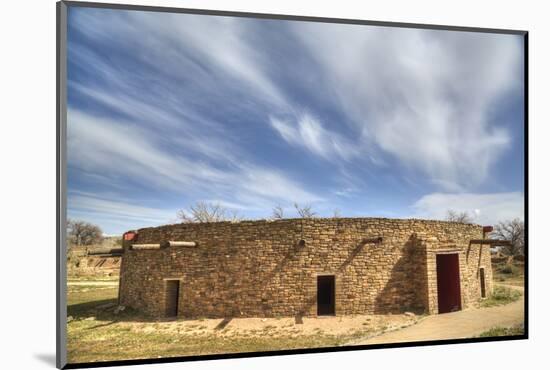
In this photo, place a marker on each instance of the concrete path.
(461, 324)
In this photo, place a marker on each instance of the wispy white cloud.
(234, 206)
(346, 192)
(221, 40)
(309, 133)
(115, 213)
(187, 130)
(422, 96)
(100, 205)
(483, 208)
(116, 147)
(272, 184)
(186, 43)
(109, 146)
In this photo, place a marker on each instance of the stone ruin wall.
(80, 263)
(258, 268)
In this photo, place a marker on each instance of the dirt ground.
(96, 333)
(285, 326)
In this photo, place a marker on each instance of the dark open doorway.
(482, 281)
(172, 298)
(325, 295)
(448, 283)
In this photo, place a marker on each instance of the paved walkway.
(461, 324)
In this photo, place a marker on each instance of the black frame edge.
(526, 179)
(61, 124)
(290, 17)
(288, 352)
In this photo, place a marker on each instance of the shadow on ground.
(104, 310)
(47, 358)
(223, 323)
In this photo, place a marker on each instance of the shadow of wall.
(406, 287)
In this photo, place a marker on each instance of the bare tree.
(462, 217)
(513, 230)
(83, 233)
(278, 213)
(336, 213)
(233, 216)
(305, 211)
(208, 212)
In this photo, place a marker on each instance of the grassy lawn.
(501, 295)
(85, 298)
(506, 274)
(500, 331)
(92, 278)
(97, 334)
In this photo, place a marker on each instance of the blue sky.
(165, 110)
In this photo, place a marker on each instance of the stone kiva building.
(305, 267)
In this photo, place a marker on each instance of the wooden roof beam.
(145, 246)
(110, 251)
(173, 243)
(165, 244)
(492, 242)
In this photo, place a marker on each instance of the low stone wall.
(99, 266)
(93, 261)
(260, 268)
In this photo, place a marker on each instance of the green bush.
(509, 270)
(501, 295)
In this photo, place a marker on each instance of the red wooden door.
(448, 283)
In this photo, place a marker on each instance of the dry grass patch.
(501, 331)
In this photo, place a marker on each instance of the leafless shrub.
(233, 216)
(208, 212)
(513, 230)
(278, 213)
(462, 217)
(305, 211)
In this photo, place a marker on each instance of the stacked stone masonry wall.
(259, 268)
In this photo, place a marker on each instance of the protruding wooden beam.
(145, 246)
(172, 243)
(108, 251)
(492, 242)
(376, 240)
